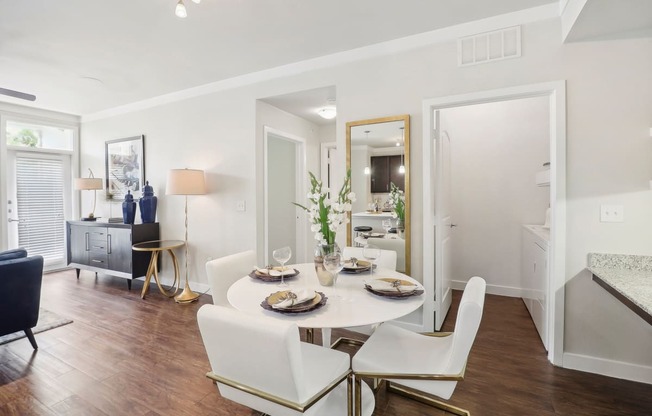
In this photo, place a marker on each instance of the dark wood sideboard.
(106, 247)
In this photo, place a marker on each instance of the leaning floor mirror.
(378, 155)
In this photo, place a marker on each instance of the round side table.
(156, 247)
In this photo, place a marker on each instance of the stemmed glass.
(334, 263)
(371, 253)
(282, 255)
(387, 225)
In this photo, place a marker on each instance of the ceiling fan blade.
(18, 94)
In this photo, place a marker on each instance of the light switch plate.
(612, 213)
(241, 206)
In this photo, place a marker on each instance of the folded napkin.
(295, 297)
(274, 271)
(381, 285)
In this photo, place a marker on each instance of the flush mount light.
(180, 10)
(329, 111)
(367, 171)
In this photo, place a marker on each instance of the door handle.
(453, 225)
(13, 220)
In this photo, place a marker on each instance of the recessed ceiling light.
(180, 10)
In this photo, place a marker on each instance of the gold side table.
(156, 247)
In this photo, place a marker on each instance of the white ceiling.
(608, 19)
(58, 50)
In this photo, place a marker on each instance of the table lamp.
(186, 182)
(89, 184)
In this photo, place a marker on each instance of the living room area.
(94, 169)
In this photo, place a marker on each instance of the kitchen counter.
(539, 231)
(627, 277)
(366, 214)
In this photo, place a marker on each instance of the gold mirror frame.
(406, 162)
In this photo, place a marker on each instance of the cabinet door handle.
(97, 261)
(108, 247)
(86, 245)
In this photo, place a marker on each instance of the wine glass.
(282, 255)
(334, 263)
(371, 253)
(387, 225)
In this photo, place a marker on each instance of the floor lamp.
(186, 182)
(89, 184)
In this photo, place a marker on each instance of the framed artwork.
(125, 167)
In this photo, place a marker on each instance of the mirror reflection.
(378, 156)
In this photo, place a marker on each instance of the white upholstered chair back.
(387, 259)
(396, 245)
(469, 315)
(256, 351)
(225, 271)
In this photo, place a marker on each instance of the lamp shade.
(185, 182)
(88, 184)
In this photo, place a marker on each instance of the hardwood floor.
(127, 356)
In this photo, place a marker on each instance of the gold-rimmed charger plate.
(396, 294)
(317, 302)
(255, 274)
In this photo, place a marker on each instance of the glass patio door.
(38, 204)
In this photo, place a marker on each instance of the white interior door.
(38, 204)
(443, 225)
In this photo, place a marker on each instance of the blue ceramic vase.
(148, 204)
(129, 209)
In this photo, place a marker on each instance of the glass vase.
(325, 277)
(400, 228)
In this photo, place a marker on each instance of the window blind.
(39, 186)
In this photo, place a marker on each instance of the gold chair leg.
(425, 398)
(358, 396)
(349, 395)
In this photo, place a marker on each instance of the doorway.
(436, 308)
(284, 178)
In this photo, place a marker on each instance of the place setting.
(276, 274)
(393, 288)
(355, 266)
(294, 301)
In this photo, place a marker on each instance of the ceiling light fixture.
(180, 10)
(329, 111)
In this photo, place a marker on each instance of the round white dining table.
(349, 303)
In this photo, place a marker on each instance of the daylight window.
(39, 136)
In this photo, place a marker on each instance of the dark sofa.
(20, 286)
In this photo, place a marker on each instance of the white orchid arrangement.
(326, 214)
(397, 201)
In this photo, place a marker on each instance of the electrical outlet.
(241, 206)
(612, 213)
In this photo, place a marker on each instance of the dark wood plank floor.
(127, 356)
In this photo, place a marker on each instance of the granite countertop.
(627, 277)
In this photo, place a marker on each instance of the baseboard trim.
(510, 291)
(610, 368)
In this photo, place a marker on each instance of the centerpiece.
(327, 214)
(397, 202)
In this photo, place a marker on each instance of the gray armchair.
(20, 285)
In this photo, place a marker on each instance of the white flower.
(347, 207)
(315, 227)
(327, 202)
(351, 196)
(319, 236)
(394, 214)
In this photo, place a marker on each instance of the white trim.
(300, 143)
(572, 10)
(611, 368)
(556, 91)
(509, 291)
(49, 116)
(544, 12)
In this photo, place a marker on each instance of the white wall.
(609, 153)
(496, 149)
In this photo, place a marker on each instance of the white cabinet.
(535, 277)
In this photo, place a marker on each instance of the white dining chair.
(225, 271)
(259, 362)
(424, 366)
(387, 259)
(396, 245)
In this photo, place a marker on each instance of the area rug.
(46, 320)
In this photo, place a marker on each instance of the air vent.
(489, 46)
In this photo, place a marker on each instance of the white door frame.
(556, 91)
(300, 144)
(325, 161)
